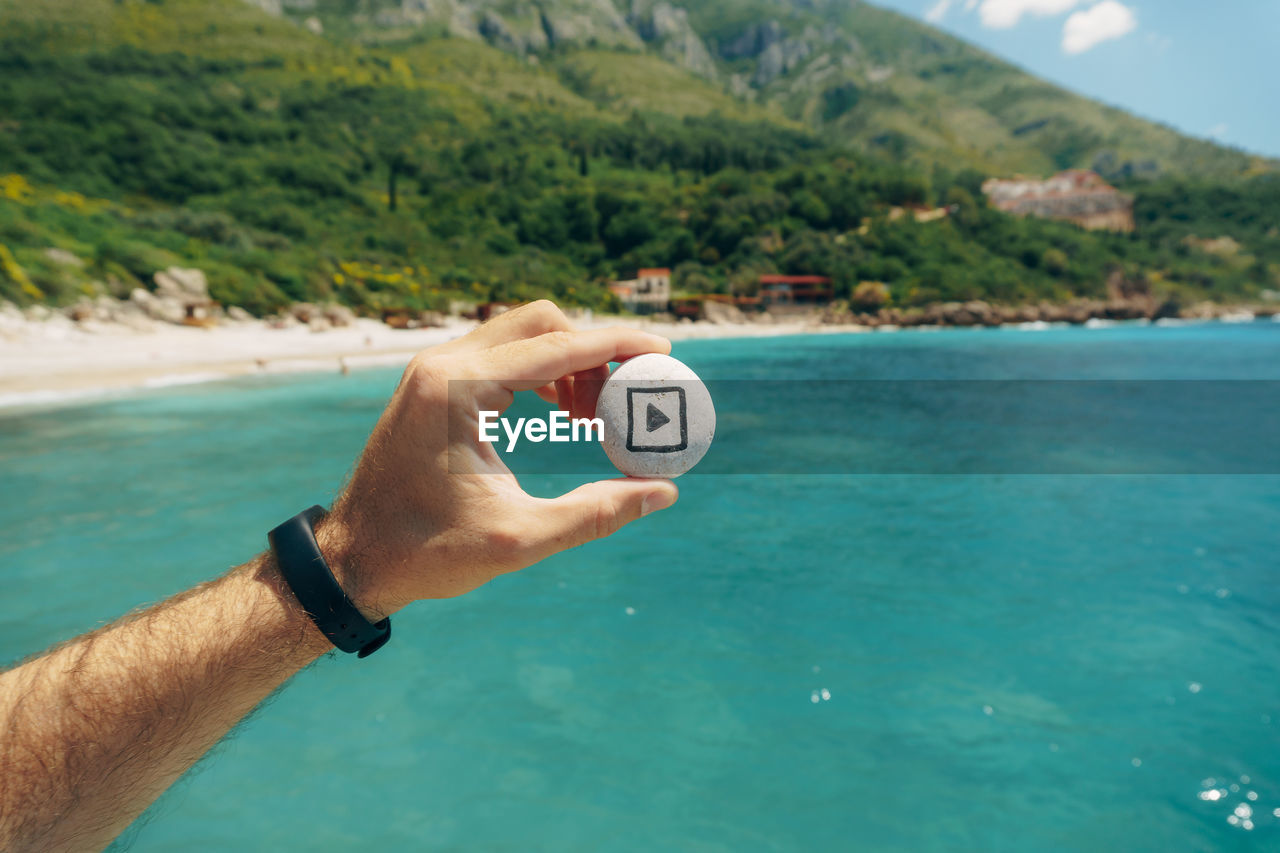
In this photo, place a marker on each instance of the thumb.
(599, 509)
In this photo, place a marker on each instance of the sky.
(1209, 69)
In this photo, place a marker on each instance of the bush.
(870, 296)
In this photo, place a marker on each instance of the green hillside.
(891, 82)
(387, 161)
(856, 72)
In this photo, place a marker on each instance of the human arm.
(93, 731)
(97, 728)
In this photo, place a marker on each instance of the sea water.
(910, 659)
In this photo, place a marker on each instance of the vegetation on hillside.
(855, 72)
(419, 172)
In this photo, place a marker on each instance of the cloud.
(1003, 14)
(1219, 131)
(1107, 20)
(938, 11)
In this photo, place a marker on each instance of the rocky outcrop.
(182, 284)
(753, 41)
(523, 27)
(780, 58)
(722, 312)
(103, 310)
(321, 317)
(1074, 195)
(279, 7)
(157, 309)
(595, 23)
(1076, 312)
(520, 30)
(527, 27)
(668, 27)
(181, 296)
(775, 53)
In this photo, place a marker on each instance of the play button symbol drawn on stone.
(662, 428)
(656, 418)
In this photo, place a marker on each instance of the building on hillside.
(648, 293)
(779, 290)
(1075, 195)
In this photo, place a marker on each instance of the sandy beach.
(56, 360)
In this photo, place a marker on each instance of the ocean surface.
(947, 643)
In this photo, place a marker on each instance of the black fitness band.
(317, 590)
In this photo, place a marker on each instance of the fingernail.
(655, 501)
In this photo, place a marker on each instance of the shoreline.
(49, 364)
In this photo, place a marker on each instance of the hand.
(432, 511)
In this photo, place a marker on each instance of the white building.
(648, 293)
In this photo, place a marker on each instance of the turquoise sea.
(996, 659)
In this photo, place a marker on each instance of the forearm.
(93, 731)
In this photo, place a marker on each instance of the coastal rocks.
(1201, 311)
(722, 312)
(164, 310)
(38, 313)
(973, 313)
(99, 313)
(339, 315)
(305, 312)
(189, 285)
(981, 313)
(321, 317)
(181, 297)
(658, 417)
(12, 321)
(183, 293)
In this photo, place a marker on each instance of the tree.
(398, 163)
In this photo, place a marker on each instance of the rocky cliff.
(856, 72)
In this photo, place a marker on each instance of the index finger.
(523, 321)
(530, 363)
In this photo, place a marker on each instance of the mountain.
(848, 69)
(851, 71)
(417, 154)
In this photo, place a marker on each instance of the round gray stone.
(658, 417)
